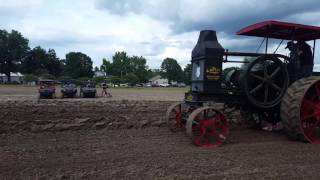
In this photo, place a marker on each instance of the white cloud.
(87, 29)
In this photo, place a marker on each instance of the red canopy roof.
(281, 30)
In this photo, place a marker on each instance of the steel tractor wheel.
(300, 110)
(207, 127)
(265, 81)
(174, 116)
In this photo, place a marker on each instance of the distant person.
(306, 59)
(294, 62)
(104, 90)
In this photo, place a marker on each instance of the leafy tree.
(187, 73)
(139, 68)
(123, 65)
(13, 48)
(171, 70)
(131, 79)
(53, 63)
(47, 76)
(107, 67)
(153, 72)
(32, 63)
(120, 64)
(78, 64)
(39, 61)
(115, 80)
(99, 80)
(65, 78)
(30, 78)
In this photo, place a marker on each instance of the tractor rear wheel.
(207, 127)
(174, 116)
(300, 110)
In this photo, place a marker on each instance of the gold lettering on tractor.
(213, 73)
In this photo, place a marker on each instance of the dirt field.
(125, 137)
(150, 93)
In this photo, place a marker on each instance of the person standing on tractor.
(306, 59)
(294, 62)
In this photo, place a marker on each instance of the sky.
(154, 29)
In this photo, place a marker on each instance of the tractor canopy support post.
(314, 48)
(267, 41)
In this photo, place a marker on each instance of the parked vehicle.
(164, 85)
(88, 89)
(139, 85)
(47, 89)
(69, 89)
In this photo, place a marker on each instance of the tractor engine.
(231, 77)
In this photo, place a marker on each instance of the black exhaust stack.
(207, 57)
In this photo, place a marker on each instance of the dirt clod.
(81, 120)
(99, 125)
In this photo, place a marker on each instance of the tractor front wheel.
(174, 116)
(207, 127)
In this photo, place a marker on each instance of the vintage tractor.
(88, 89)
(47, 89)
(68, 89)
(261, 87)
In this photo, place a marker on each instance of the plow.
(261, 85)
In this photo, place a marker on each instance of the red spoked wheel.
(207, 127)
(174, 116)
(310, 114)
(300, 110)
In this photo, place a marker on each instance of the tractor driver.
(294, 62)
(306, 59)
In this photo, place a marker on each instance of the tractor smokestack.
(207, 57)
(207, 44)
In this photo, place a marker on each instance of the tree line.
(17, 56)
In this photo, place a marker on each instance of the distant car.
(181, 85)
(164, 85)
(147, 85)
(139, 85)
(47, 89)
(174, 85)
(124, 85)
(69, 89)
(88, 89)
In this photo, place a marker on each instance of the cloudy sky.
(155, 29)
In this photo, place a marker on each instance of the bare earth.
(125, 137)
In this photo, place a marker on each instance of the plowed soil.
(125, 137)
